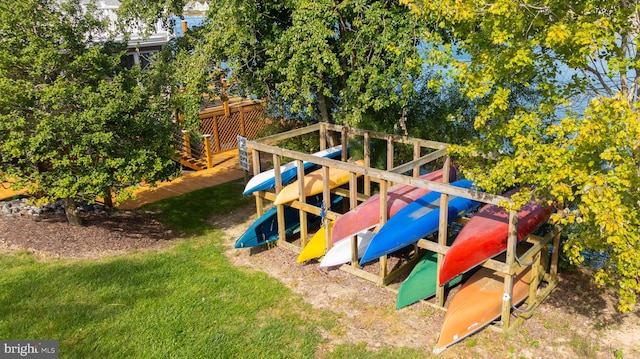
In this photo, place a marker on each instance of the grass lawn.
(186, 302)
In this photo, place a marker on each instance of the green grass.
(185, 302)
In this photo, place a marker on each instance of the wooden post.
(536, 275)
(507, 299)
(383, 219)
(353, 203)
(207, 150)
(416, 155)
(216, 134)
(323, 137)
(225, 106)
(255, 156)
(389, 153)
(279, 208)
(326, 199)
(367, 163)
(345, 143)
(303, 215)
(442, 231)
(416, 173)
(186, 143)
(553, 268)
(185, 27)
(243, 126)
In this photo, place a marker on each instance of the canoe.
(367, 214)
(417, 220)
(266, 180)
(421, 283)
(317, 245)
(486, 234)
(313, 184)
(340, 253)
(265, 229)
(477, 304)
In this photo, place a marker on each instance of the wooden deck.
(6, 193)
(225, 169)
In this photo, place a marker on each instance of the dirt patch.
(50, 235)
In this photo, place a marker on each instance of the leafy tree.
(581, 143)
(74, 123)
(330, 60)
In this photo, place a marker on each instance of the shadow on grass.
(187, 214)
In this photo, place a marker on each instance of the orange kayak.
(313, 184)
(477, 304)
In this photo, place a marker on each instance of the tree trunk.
(71, 209)
(108, 200)
(324, 115)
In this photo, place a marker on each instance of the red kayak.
(486, 234)
(367, 214)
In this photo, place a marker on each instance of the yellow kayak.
(313, 184)
(316, 246)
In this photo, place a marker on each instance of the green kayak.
(421, 283)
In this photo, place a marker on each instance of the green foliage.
(328, 60)
(580, 143)
(74, 122)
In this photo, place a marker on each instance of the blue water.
(191, 22)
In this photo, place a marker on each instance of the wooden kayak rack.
(537, 256)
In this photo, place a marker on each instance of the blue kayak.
(417, 220)
(265, 229)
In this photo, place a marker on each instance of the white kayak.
(340, 253)
(266, 180)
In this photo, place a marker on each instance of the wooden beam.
(279, 208)
(415, 164)
(353, 203)
(345, 143)
(361, 273)
(288, 134)
(383, 220)
(395, 138)
(385, 175)
(507, 299)
(367, 162)
(303, 216)
(416, 156)
(390, 152)
(442, 231)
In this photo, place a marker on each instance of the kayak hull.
(313, 184)
(265, 229)
(367, 214)
(486, 235)
(477, 304)
(421, 283)
(266, 180)
(316, 247)
(341, 252)
(417, 220)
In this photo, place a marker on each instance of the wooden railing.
(220, 127)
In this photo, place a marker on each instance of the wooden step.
(193, 163)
